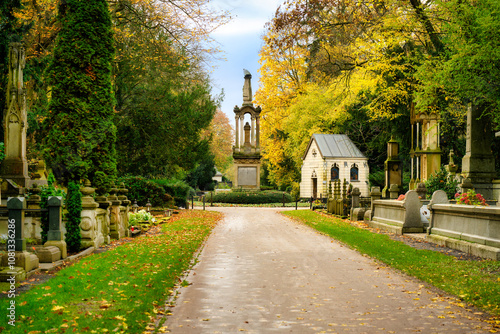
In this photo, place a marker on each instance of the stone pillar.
(257, 135)
(247, 89)
(394, 191)
(375, 194)
(115, 219)
(91, 234)
(355, 198)
(55, 236)
(422, 191)
(393, 167)
(124, 209)
(105, 206)
(15, 165)
(252, 133)
(237, 129)
(478, 164)
(23, 259)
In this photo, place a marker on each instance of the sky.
(241, 41)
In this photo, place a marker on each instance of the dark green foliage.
(161, 131)
(179, 190)
(440, 180)
(160, 193)
(201, 176)
(48, 191)
(252, 197)
(74, 217)
(81, 134)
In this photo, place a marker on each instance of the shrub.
(142, 190)
(470, 198)
(441, 180)
(139, 217)
(179, 190)
(251, 197)
(164, 193)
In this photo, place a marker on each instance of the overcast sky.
(241, 41)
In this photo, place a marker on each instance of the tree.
(221, 135)
(81, 137)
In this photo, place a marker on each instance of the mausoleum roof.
(335, 146)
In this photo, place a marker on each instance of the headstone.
(15, 165)
(393, 168)
(55, 236)
(412, 206)
(438, 197)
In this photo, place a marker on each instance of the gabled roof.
(334, 146)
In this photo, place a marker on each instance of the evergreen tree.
(74, 206)
(81, 137)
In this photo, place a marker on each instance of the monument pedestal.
(247, 171)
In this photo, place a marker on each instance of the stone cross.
(15, 165)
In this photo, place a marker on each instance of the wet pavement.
(260, 272)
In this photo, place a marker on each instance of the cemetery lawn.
(476, 283)
(121, 290)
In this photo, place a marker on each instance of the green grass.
(118, 291)
(475, 282)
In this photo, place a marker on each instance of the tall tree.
(81, 139)
(221, 135)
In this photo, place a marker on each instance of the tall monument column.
(15, 164)
(246, 152)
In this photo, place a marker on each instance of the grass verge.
(475, 282)
(117, 291)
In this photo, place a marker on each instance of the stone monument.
(393, 168)
(246, 152)
(15, 165)
(478, 164)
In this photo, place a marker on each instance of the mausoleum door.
(315, 188)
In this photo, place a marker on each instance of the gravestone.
(393, 168)
(15, 165)
(478, 164)
(55, 235)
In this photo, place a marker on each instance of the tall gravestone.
(15, 165)
(246, 152)
(393, 168)
(478, 164)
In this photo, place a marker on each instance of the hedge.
(160, 193)
(251, 197)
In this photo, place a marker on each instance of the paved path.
(262, 273)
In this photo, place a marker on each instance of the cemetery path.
(260, 272)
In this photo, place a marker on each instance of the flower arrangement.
(470, 198)
(140, 217)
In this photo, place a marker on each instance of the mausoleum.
(329, 157)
